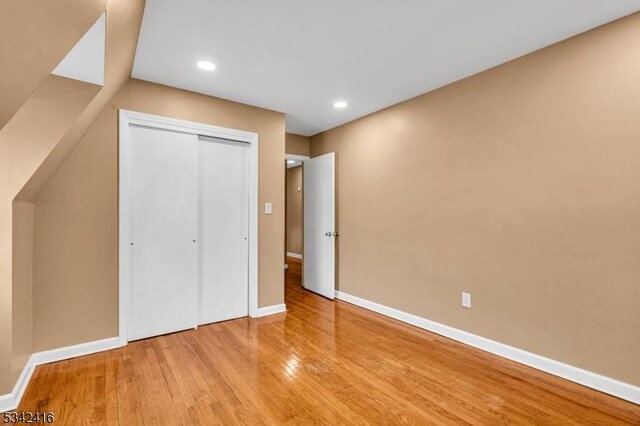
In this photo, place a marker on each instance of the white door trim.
(302, 158)
(141, 119)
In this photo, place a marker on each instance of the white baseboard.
(586, 378)
(294, 255)
(270, 310)
(75, 351)
(11, 400)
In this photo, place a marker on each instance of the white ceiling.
(298, 57)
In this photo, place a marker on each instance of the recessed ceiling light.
(340, 104)
(291, 161)
(206, 65)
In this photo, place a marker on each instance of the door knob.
(335, 234)
(328, 234)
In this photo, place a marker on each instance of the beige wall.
(520, 185)
(25, 142)
(294, 210)
(34, 37)
(124, 18)
(297, 144)
(22, 288)
(76, 215)
(42, 117)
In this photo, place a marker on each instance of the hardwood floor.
(322, 362)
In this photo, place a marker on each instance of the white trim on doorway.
(128, 118)
(296, 157)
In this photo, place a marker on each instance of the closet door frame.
(128, 118)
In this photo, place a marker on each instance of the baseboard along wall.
(592, 380)
(11, 400)
(271, 310)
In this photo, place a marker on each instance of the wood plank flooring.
(322, 362)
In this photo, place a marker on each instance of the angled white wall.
(85, 62)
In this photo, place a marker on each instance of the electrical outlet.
(268, 208)
(466, 299)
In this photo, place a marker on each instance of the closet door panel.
(224, 203)
(163, 173)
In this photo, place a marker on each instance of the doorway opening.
(294, 220)
(310, 218)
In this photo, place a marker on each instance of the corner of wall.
(22, 287)
(296, 144)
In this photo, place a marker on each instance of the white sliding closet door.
(224, 225)
(163, 179)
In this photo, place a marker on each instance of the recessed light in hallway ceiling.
(206, 65)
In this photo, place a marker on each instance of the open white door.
(320, 225)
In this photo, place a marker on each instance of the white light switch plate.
(268, 209)
(466, 300)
